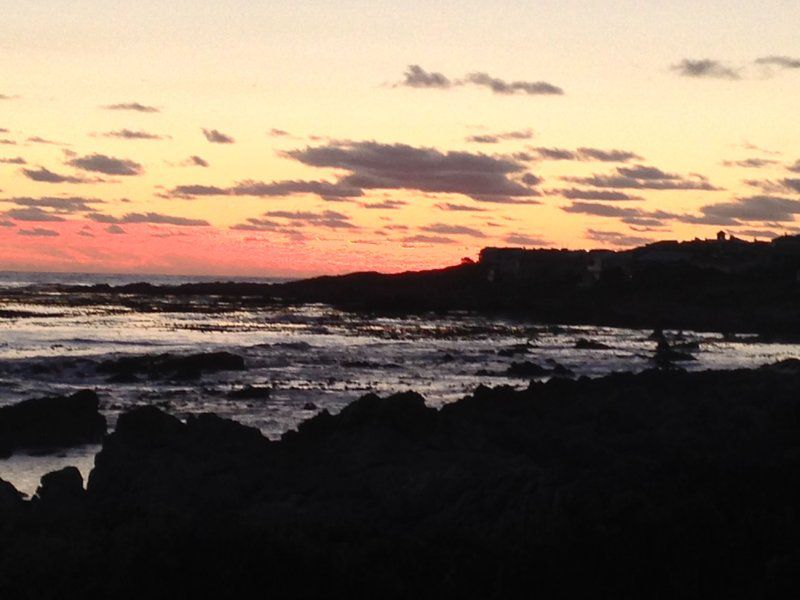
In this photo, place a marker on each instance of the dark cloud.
(7, 142)
(500, 86)
(795, 168)
(643, 177)
(601, 195)
(385, 205)
(256, 224)
(194, 190)
(40, 140)
(784, 62)
(427, 239)
(601, 210)
(447, 229)
(705, 68)
(757, 233)
(196, 161)
(768, 186)
(43, 175)
(129, 134)
(754, 208)
(33, 214)
(7, 224)
(459, 207)
(278, 132)
(417, 77)
(60, 205)
(151, 217)
(522, 239)
(107, 165)
(13, 161)
(585, 154)
(324, 189)
(494, 138)
(372, 165)
(615, 238)
(329, 218)
(217, 137)
(133, 106)
(750, 163)
(38, 232)
(792, 184)
(115, 229)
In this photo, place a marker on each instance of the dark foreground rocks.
(658, 485)
(48, 424)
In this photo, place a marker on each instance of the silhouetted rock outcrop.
(10, 498)
(47, 424)
(663, 484)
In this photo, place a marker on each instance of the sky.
(308, 137)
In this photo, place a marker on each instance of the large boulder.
(61, 489)
(52, 423)
(10, 498)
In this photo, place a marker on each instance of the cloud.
(43, 175)
(7, 97)
(615, 238)
(7, 224)
(60, 205)
(256, 224)
(601, 195)
(133, 106)
(494, 138)
(13, 161)
(776, 209)
(417, 77)
(107, 165)
(784, 62)
(459, 207)
(32, 214)
(792, 184)
(522, 239)
(150, 217)
(585, 154)
(8, 142)
(372, 165)
(38, 232)
(705, 68)
(217, 137)
(129, 134)
(278, 132)
(601, 210)
(385, 205)
(196, 161)
(644, 177)
(427, 239)
(40, 140)
(795, 168)
(324, 189)
(446, 229)
(329, 218)
(750, 163)
(500, 86)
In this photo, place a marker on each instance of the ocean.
(312, 357)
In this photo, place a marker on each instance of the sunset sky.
(294, 138)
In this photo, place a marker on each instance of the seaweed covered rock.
(170, 366)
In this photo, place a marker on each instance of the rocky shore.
(663, 484)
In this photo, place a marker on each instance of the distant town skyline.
(289, 139)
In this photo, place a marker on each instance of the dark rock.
(514, 350)
(251, 392)
(61, 489)
(310, 406)
(585, 344)
(527, 369)
(163, 366)
(10, 498)
(47, 424)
